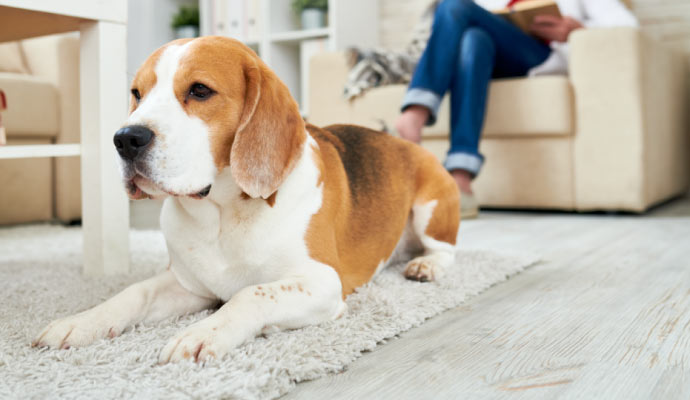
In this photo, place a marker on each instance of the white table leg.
(105, 207)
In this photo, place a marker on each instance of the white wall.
(148, 28)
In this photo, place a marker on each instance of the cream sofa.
(610, 136)
(41, 80)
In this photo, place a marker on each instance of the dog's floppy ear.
(270, 133)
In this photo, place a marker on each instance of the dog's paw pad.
(422, 269)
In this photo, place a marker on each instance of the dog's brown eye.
(136, 94)
(200, 91)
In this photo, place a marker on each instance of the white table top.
(21, 19)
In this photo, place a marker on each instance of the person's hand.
(553, 28)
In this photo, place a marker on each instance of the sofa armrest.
(328, 74)
(630, 144)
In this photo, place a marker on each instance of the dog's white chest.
(218, 250)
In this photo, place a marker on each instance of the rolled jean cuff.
(423, 97)
(469, 162)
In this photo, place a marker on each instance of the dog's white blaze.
(180, 159)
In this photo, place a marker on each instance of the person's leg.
(468, 92)
(482, 56)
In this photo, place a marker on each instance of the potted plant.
(186, 22)
(312, 12)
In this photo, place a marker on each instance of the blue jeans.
(469, 46)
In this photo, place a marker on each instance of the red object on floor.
(3, 106)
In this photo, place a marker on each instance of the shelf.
(40, 151)
(275, 33)
(297, 36)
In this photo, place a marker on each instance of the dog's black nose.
(130, 141)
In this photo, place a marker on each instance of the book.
(522, 14)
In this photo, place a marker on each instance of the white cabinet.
(273, 30)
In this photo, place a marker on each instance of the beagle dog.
(276, 219)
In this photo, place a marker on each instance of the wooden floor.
(606, 315)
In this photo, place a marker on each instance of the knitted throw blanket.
(377, 67)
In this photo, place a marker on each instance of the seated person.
(468, 47)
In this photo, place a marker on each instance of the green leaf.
(186, 15)
(299, 5)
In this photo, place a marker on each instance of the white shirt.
(590, 13)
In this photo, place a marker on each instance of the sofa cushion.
(32, 106)
(539, 106)
(12, 58)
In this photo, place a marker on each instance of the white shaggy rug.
(40, 280)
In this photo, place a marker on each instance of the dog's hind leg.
(435, 221)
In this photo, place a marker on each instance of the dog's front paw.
(75, 331)
(203, 341)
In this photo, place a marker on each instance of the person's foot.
(463, 179)
(410, 123)
(469, 207)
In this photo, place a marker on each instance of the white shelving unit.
(297, 36)
(40, 151)
(272, 29)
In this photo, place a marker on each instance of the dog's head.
(199, 106)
